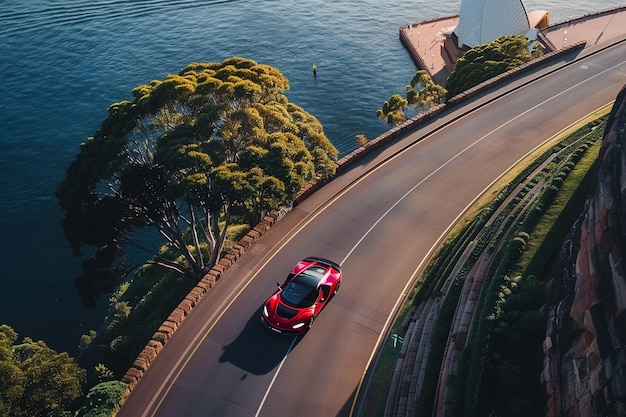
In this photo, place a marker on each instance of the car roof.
(312, 275)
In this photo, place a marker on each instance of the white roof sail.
(483, 21)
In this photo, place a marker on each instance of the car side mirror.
(278, 284)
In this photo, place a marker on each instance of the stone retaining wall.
(169, 326)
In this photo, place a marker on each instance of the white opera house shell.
(483, 21)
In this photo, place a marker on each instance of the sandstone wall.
(585, 346)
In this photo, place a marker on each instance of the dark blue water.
(63, 62)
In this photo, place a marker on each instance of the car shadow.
(256, 350)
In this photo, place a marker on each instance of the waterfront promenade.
(425, 40)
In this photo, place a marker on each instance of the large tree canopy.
(187, 156)
(486, 61)
(35, 380)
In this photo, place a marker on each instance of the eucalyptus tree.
(421, 94)
(189, 155)
(393, 110)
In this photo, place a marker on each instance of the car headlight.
(265, 313)
(297, 326)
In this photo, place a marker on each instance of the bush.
(103, 400)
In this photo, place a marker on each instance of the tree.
(486, 61)
(361, 139)
(393, 110)
(36, 380)
(188, 156)
(422, 93)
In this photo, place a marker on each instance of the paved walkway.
(424, 40)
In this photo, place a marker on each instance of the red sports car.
(306, 291)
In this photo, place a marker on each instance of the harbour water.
(63, 62)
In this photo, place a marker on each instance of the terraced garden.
(473, 329)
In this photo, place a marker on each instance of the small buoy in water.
(314, 70)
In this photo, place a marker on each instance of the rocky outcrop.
(584, 369)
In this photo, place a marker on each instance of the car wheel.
(337, 288)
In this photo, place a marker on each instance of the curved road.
(380, 220)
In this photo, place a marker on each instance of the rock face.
(584, 370)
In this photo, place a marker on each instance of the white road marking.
(258, 411)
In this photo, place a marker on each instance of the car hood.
(282, 315)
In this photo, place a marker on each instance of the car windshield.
(302, 291)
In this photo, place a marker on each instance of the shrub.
(103, 400)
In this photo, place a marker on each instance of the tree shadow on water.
(256, 350)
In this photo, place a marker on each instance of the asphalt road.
(380, 220)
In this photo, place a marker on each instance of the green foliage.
(215, 144)
(393, 110)
(36, 380)
(118, 293)
(86, 339)
(518, 244)
(103, 373)
(234, 234)
(514, 360)
(103, 400)
(361, 139)
(422, 93)
(121, 310)
(486, 61)
(154, 294)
